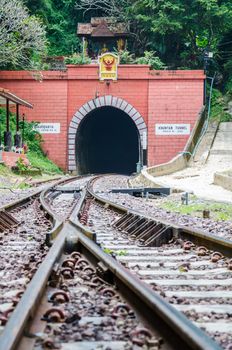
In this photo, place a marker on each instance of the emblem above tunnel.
(108, 66)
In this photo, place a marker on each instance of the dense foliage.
(60, 18)
(77, 58)
(21, 35)
(32, 139)
(181, 32)
(165, 33)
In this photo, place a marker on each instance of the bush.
(40, 161)
(228, 70)
(218, 107)
(21, 165)
(228, 87)
(34, 141)
(151, 59)
(77, 58)
(125, 57)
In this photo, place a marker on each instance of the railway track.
(81, 297)
(9, 196)
(186, 266)
(24, 226)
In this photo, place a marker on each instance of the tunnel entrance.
(107, 141)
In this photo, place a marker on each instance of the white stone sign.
(172, 129)
(48, 128)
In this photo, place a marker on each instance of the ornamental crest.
(108, 66)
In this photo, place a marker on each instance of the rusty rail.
(176, 329)
(169, 229)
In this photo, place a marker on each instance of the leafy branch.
(20, 35)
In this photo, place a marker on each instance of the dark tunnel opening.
(107, 141)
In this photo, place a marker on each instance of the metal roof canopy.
(13, 98)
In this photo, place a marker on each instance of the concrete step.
(223, 140)
(226, 126)
(205, 145)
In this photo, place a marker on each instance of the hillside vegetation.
(34, 142)
(167, 34)
(180, 33)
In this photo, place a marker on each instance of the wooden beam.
(8, 95)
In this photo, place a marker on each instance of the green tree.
(178, 30)
(60, 18)
(175, 27)
(21, 35)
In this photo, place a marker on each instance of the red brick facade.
(148, 97)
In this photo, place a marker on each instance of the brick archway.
(108, 100)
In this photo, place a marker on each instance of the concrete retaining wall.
(147, 176)
(224, 180)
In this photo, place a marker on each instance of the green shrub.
(21, 165)
(151, 59)
(31, 136)
(228, 70)
(125, 57)
(39, 160)
(228, 87)
(34, 141)
(77, 58)
(218, 107)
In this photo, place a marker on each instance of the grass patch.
(38, 160)
(5, 171)
(23, 186)
(11, 181)
(218, 211)
(116, 252)
(33, 140)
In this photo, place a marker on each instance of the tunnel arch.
(95, 104)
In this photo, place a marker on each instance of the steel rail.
(177, 330)
(16, 324)
(25, 199)
(197, 236)
(55, 218)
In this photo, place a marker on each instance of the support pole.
(17, 117)
(7, 133)
(7, 116)
(17, 137)
(23, 130)
(83, 46)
